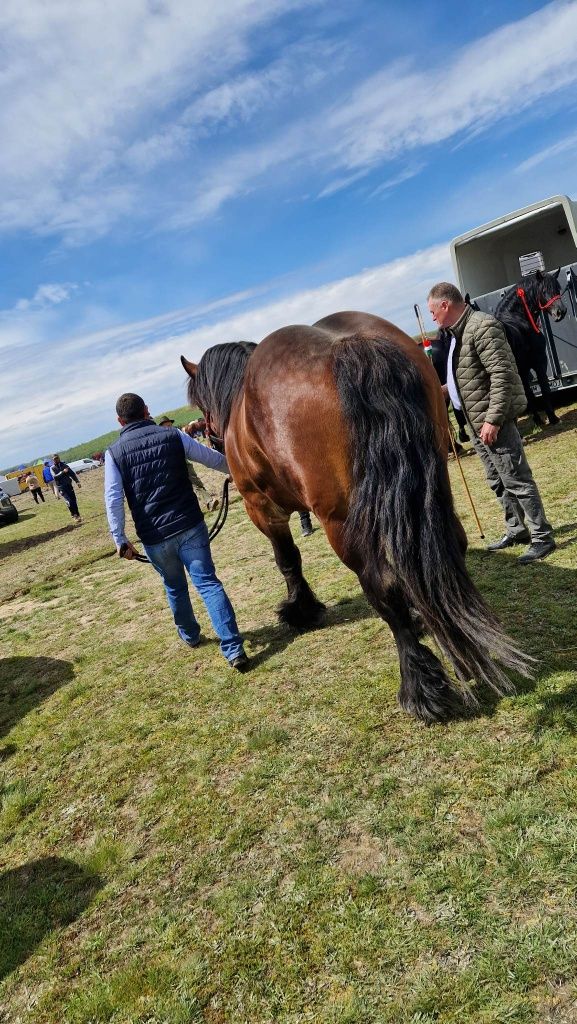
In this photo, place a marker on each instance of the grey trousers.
(509, 476)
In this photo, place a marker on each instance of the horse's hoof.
(301, 617)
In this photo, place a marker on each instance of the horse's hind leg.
(425, 691)
(301, 609)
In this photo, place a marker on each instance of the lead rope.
(222, 513)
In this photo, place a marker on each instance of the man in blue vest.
(147, 464)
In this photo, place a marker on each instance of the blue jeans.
(191, 550)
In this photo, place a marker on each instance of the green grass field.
(182, 844)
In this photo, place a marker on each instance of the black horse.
(519, 311)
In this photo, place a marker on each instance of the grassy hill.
(184, 414)
(98, 444)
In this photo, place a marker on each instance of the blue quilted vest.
(152, 465)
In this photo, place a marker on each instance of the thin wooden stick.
(465, 485)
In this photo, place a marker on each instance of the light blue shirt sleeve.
(197, 452)
(114, 499)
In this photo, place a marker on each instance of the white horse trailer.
(490, 259)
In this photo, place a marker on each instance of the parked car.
(8, 511)
(80, 465)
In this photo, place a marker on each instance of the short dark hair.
(446, 291)
(130, 407)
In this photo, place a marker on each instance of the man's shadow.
(26, 682)
(536, 606)
(36, 899)
(14, 547)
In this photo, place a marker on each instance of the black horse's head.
(548, 293)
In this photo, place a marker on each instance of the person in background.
(306, 524)
(208, 500)
(49, 479)
(147, 465)
(35, 487)
(63, 476)
(483, 381)
(196, 428)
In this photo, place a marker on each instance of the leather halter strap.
(213, 439)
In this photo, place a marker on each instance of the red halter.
(521, 294)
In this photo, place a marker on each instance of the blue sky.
(175, 174)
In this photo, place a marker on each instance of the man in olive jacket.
(483, 381)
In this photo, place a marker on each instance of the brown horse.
(347, 418)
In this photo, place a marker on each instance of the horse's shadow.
(535, 604)
(35, 899)
(542, 592)
(276, 637)
(24, 683)
(532, 435)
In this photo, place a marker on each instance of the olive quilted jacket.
(485, 371)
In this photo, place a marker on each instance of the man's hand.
(126, 550)
(489, 433)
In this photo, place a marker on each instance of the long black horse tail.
(401, 512)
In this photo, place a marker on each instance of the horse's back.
(342, 325)
(295, 363)
(292, 412)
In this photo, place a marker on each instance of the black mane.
(537, 286)
(218, 380)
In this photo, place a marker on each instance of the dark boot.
(538, 420)
(538, 549)
(306, 525)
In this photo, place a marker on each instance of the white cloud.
(81, 82)
(563, 146)
(399, 110)
(144, 356)
(91, 104)
(497, 76)
(46, 295)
